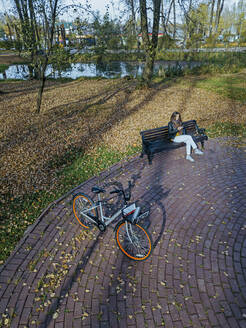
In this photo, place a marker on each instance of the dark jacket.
(172, 131)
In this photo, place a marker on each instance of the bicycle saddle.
(97, 190)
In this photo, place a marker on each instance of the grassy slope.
(87, 125)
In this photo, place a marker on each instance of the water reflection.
(107, 70)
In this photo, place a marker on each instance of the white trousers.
(187, 139)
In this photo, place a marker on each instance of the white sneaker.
(189, 158)
(198, 152)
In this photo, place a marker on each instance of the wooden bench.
(157, 140)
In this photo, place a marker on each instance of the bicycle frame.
(104, 219)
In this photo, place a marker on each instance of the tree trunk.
(187, 21)
(32, 22)
(163, 23)
(146, 41)
(149, 45)
(17, 33)
(10, 32)
(211, 18)
(162, 15)
(41, 89)
(149, 67)
(50, 45)
(133, 16)
(220, 6)
(23, 29)
(174, 20)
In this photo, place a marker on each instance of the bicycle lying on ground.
(133, 240)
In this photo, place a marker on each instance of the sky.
(96, 5)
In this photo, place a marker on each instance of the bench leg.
(141, 156)
(150, 157)
(202, 143)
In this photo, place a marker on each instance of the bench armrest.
(201, 130)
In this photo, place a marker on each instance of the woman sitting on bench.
(176, 133)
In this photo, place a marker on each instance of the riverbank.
(119, 64)
(89, 124)
(10, 58)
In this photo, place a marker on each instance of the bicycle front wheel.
(133, 240)
(81, 206)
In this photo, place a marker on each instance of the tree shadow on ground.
(30, 86)
(93, 134)
(124, 284)
(60, 117)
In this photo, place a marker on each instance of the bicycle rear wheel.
(133, 240)
(81, 203)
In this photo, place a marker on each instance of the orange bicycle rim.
(122, 249)
(76, 213)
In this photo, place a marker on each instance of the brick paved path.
(61, 276)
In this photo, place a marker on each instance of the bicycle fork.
(135, 215)
(127, 231)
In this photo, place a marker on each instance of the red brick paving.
(58, 276)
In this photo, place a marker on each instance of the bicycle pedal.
(101, 227)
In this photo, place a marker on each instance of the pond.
(107, 70)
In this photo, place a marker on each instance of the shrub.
(7, 44)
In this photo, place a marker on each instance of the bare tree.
(131, 8)
(50, 10)
(28, 33)
(50, 13)
(211, 17)
(215, 15)
(166, 9)
(174, 20)
(220, 5)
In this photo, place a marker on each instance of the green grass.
(232, 87)
(17, 214)
(10, 80)
(212, 63)
(73, 169)
(86, 166)
(108, 57)
(209, 57)
(3, 67)
(222, 129)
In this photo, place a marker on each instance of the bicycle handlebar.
(129, 193)
(126, 198)
(115, 191)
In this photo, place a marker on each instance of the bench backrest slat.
(162, 132)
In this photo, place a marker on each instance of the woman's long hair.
(173, 119)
